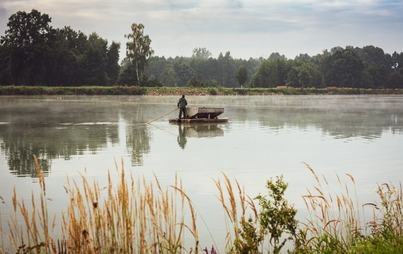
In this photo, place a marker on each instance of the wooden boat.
(201, 115)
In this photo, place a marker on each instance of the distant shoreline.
(135, 90)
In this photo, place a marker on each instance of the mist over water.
(266, 136)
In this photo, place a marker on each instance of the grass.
(130, 216)
(137, 216)
(337, 225)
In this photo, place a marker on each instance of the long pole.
(162, 115)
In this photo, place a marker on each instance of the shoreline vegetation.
(134, 215)
(136, 90)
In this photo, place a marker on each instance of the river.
(265, 137)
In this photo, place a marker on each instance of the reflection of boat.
(202, 130)
(201, 115)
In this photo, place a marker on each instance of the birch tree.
(138, 50)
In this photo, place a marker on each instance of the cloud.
(247, 28)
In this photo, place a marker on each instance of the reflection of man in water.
(182, 136)
(182, 107)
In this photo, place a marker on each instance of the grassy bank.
(134, 90)
(139, 216)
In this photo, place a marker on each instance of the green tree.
(397, 60)
(169, 76)
(242, 75)
(201, 53)
(184, 72)
(66, 65)
(26, 29)
(112, 62)
(5, 77)
(344, 69)
(378, 65)
(25, 41)
(276, 55)
(226, 69)
(138, 50)
(304, 74)
(276, 216)
(156, 65)
(272, 73)
(94, 61)
(396, 79)
(126, 73)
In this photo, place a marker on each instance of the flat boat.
(201, 115)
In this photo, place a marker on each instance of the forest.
(33, 53)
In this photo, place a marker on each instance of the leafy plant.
(277, 217)
(249, 238)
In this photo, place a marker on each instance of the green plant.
(213, 91)
(249, 237)
(276, 216)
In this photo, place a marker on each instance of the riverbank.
(135, 90)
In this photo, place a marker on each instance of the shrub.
(213, 91)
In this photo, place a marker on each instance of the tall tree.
(25, 29)
(95, 61)
(112, 62)
(304, 73)
(344, 69)
(26, 39)
(184, 71)
(272, 73)
(201, 53)
(226, 69)
(68, 47)
(378, 64)
(397, 60)
(242, 75)
(138, 50)
(169, 77)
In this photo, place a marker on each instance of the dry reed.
(337, 222)
(130, 216)
(334, 217)
(238, 208)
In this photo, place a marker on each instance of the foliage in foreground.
(135, 216)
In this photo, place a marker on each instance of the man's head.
(183, 96)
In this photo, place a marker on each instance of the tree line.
(34, 53)
(367, 67)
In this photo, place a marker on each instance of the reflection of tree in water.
(138, 142)
(21, 158)
(367, 124)
(22, 142)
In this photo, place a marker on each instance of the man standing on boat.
(182, 107)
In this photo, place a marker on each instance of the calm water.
(266, 136)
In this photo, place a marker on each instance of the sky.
(245, 28)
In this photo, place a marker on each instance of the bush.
(213, 91)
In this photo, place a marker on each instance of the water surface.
(266, 136)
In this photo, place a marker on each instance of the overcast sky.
(245, 28)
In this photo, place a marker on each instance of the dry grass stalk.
(30, 227)
(130, 216)
(388, 216)
(335, 215)
(237, 208)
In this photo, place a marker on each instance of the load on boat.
(201, 114)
